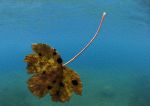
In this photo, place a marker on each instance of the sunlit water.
(115, 68)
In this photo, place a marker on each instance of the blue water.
(114, 69)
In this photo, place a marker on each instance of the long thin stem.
(88, 44)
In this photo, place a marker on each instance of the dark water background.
(115, 69)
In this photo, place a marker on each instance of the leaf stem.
(88, 44)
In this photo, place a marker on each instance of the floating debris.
(50, 76)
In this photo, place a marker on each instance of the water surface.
(114, 69)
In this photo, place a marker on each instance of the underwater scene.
(113, 71)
